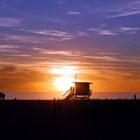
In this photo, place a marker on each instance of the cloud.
(7, 22)
(57, 52)
(55, 35)
(18, 55)
(104, 58)
(123, 9)
(123, 14)
(110, 63)
(25, 39)
(52, 52)
(8, 49)
(7, 69)
(113, 9)
(37, 38)
(82, 33)
(100, 31)
(73, 13)
(131, 30)
(107, 32)
(49, 32)
(14, 77)
(103, 30)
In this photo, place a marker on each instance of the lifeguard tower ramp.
(80, 91)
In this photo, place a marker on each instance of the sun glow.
(63, 83)
(64, 77)
(66, 70)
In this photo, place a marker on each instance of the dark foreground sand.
(118, 119)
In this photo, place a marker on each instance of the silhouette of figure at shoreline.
(2, 96)
(135, 97)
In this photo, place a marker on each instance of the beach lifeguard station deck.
(80, 91)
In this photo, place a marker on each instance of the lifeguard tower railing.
(81, 90)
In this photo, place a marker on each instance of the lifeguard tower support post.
(80, 91)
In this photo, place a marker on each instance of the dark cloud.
(13, 77)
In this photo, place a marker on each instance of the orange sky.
(24, 79)
(44, 43)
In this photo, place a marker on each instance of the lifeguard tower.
(80, 91)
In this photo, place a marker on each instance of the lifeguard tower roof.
(83, 82)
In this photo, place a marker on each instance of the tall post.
(75, 83)
(75, 77)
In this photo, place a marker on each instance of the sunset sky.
(43, 43)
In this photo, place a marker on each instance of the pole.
(75, 77)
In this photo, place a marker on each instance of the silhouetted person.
(2, 96)
(71, 90)
(135, 97)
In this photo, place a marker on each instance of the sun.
(64, 77)
(63, 83)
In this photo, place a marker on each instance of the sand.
(97, 119)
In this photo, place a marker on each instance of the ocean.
(50, 96)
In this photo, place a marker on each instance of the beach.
(93, 119)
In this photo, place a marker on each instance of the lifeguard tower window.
(82, 88)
